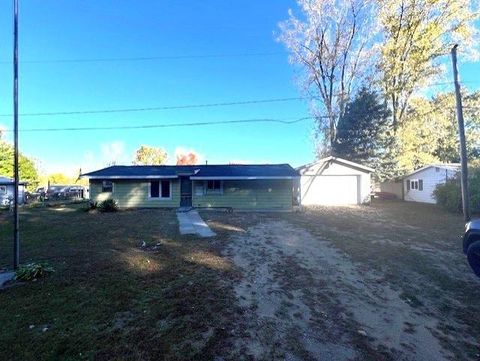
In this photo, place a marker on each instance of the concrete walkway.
(191, 223)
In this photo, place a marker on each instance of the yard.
(382, 282)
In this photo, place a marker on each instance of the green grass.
(108, 298)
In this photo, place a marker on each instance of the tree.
(429, 131)
(146, 155)
(60, 179)
(417, 33)
(26, 166)
(332, 45)
(188, 158)
(361, 130)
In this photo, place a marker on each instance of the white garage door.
(333, 190)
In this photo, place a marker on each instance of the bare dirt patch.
(382, 282)
(306, 300)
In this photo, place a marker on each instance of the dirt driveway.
(352, 283)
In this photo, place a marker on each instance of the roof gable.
(342, 161)
(447, 166)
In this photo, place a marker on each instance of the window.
(3, 189)
(214, 186)
(416, 184)
(165, 189)
(107, 186)
(160, 189)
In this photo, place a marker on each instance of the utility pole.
(16, 223)
(461, 133)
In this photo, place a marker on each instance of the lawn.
(381, 282)
(108, 297)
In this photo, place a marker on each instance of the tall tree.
(429, 131)
(361, 129)
(331, 43)
(146, 155)
(416, 34)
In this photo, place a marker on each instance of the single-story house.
(419, 185)
(7, 188)
(252, 187)
(334, 181)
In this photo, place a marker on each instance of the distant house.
(419, 185)
(334, 181)
(7, 187)
(249, 187)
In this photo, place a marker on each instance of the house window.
(3, 189)
(160, 189)
(107, 186)
(416, 184)
(214, 186)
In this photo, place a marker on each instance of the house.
(7, 188)
(334, 181)
(249, 187)
(419, 185)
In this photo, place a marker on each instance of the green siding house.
(240, 187)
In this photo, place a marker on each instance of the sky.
(53, 30)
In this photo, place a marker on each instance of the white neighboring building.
(419, 185)
(334, 181)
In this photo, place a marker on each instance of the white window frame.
(113, 186)
(160, 198)
(214, 191)
(412, 183)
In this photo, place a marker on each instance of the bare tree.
(333, 44)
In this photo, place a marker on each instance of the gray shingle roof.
(197, 171)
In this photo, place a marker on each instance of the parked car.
(471, 245)
(55, 192)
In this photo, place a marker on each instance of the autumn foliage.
(189, 158)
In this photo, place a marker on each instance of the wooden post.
(16, 227)
(461, 133)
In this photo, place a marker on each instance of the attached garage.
(334, 181)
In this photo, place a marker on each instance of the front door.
(185, 192)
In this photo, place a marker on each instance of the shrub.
(108, 205)
(31, 271)
(449, 195)
(90, 206)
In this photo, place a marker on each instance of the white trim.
(159, 198)
(132, 177)
(240, 178)
(338, 160)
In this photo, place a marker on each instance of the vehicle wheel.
(473, 256)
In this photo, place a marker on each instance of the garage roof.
(345, 162)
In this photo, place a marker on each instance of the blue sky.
(118, 29)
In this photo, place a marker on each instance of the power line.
(147, 58)
(170, 125)
(125, 110)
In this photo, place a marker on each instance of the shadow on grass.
(108, 297)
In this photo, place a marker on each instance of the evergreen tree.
(363, 131)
